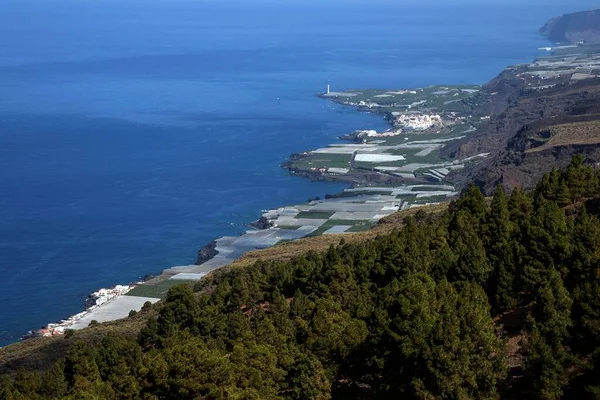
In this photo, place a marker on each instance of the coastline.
(355, 209)
(373, 195)
(397, 169)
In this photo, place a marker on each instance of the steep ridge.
(541, 114)
(574, 28)
(526, 145)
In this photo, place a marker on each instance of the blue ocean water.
(133, 132)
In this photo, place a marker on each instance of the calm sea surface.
(133, 132)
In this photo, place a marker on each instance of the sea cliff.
(574, 28)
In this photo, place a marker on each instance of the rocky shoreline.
(207, 252)
(93, 302)
(367, 178)
(373, 195)
(415, 162)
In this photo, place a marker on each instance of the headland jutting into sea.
(402, 167)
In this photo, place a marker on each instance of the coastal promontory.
(574, 28)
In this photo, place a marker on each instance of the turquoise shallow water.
(133, 132)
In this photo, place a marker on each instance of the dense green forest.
(495, 298)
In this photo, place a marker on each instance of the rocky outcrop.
(574, 28)
(358, 136)
(262, 223)
(526, 169)
(534, 134)
(207, 253)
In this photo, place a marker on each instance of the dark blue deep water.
(133, 132)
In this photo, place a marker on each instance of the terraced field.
(577, 133)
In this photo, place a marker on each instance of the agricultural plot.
(314, 215)
(354, 210)
(434, 98)
(407, 156)
(425, 120)
(322, 160)
(156, 290)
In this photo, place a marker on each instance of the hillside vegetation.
(533, 132)
(38, 354)
(485, 300)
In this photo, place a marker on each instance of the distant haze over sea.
(133, 132)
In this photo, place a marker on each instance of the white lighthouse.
(328, 89)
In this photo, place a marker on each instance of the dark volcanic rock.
(365, 177)
(523, 142)
(262, 223)
(207, 253)
(526, 169)
(574, 28)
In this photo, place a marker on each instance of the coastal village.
(354, 210)
(423, 121)
(396, 169)
(93, 303)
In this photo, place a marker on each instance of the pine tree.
(27, 384)
(119, 360)
(54, 384)
(563, 195)
(6, 392)
(583, 265)
(306, 378)
(586, 316)
(471, 260)
(179, 311)
(520, 206)
(499, 230)
(548, 243)
(240, 293)
(441, 343)
(81, 370)
(548, 357)
(581, 180)
(545, 366)
(591, 380)
(473, 202)
(544, 188)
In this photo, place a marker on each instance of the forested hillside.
(492, 299)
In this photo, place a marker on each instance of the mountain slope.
(421, 312)
(537, 132)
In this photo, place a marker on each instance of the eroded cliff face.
(536, 132)
(525, 170)
(540, 115)
(574, 28)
